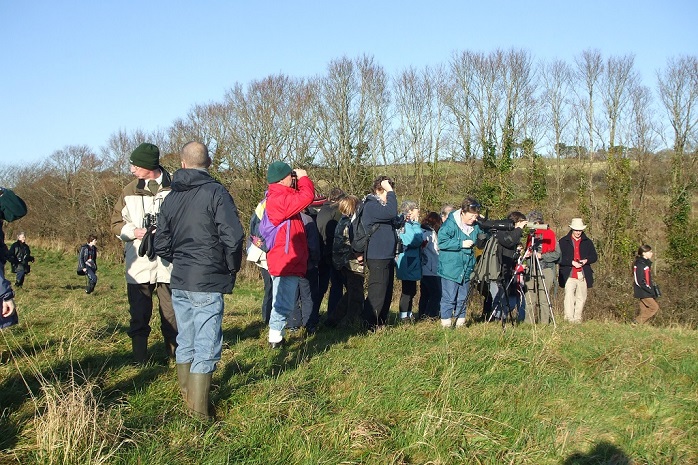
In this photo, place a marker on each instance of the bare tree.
(618, 81)
(118, 148)
(678, 92)
(419, 132)
(456, 95)
(208, 124)
(589, 68)
(556, 78)
(642, 135)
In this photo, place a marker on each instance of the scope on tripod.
(537, 226)
(499, 225)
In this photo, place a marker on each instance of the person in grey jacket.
(200, 233)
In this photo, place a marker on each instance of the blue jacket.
(382, 244)
(409, 262)
(456, 263)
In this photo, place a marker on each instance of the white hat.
(577, 224)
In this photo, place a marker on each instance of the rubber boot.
(139, 344)
(197, 394)
(183, 378)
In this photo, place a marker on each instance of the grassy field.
(596, 393)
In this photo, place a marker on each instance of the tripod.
(538, 281)
(501, 302)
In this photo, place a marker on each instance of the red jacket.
(546, 238)
(286, 203)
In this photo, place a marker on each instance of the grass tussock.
(73, 426)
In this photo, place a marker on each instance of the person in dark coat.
(8, 315)
(200, 233)
(20, 257)
(307, 310)
(577, 254)
(643, 285)
(380, 209)
(87, 262)
(330, 278)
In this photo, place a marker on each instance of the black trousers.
(268, 295)
(140, 299)
(381, 273)
(409, 290)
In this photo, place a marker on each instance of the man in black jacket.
(200, 232)
(577, 254)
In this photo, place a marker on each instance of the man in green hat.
(133, 221)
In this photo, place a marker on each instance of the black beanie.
(146, 156)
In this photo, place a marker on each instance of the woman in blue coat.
(457, 237)
(409, 260)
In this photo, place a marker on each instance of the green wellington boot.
(183, 378)
(198, 389)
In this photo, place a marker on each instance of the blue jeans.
(453, 298)
(306, 312)
(283, 300)
(199, 320)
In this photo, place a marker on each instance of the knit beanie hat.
(146, 156)
(277, 171)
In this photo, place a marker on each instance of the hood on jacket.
(185, 179)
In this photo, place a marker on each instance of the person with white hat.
(577, 253)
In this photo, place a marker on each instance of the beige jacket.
(129, 213)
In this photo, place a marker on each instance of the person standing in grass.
(349, 264)
(643, 285)
(133, 221)
(330, 278)
(20, 257)
(409, 260)
(430, 284)
(456, 240)
(290, 192)
(306, 313)
(8, 317)
(200, 233)
(378, 218)
(87, 262)
(577, 253)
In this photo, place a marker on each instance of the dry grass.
(72, 426)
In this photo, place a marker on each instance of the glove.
(147, 247)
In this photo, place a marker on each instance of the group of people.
(183, 241)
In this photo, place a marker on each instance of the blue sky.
(75, 72)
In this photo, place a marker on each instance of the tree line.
(584, 135)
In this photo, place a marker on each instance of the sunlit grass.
(411, 394)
